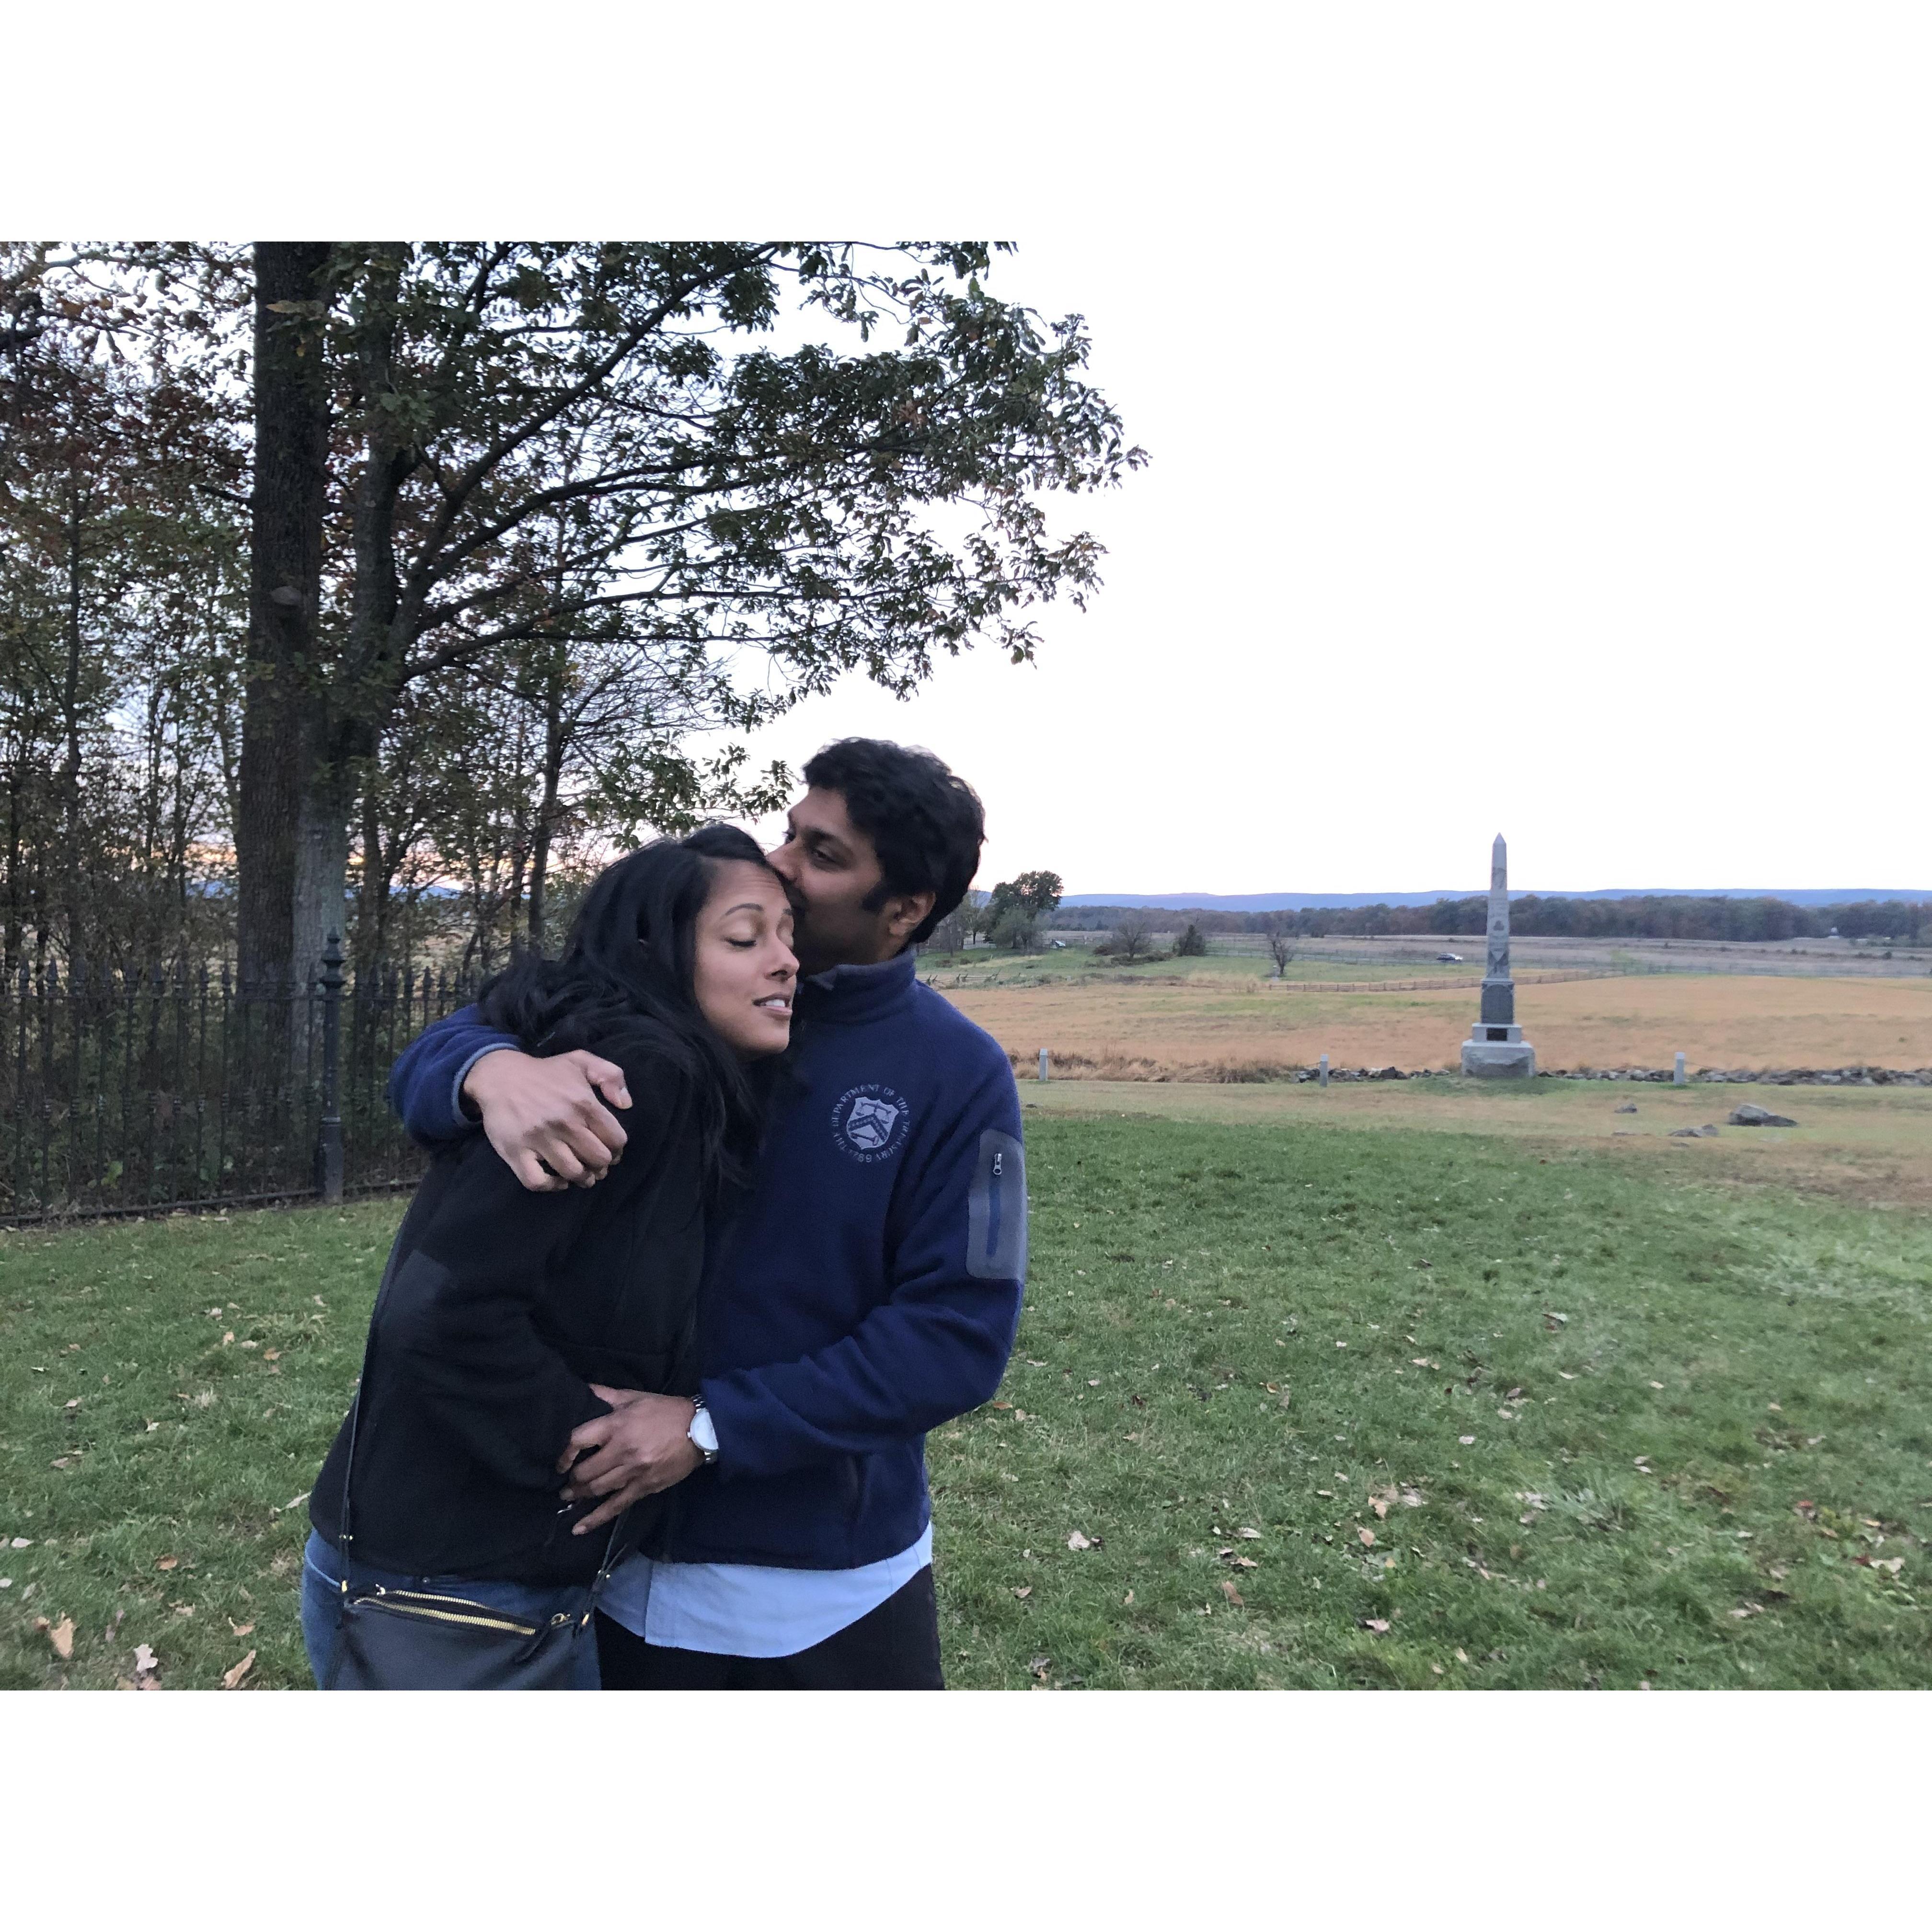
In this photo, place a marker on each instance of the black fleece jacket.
(498, 1309)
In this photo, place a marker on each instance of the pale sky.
(1541, 428)
(1540, 398)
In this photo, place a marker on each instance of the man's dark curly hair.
(925, 821)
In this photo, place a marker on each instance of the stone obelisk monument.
(1495, 1049)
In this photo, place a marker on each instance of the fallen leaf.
(1437, 1668)
(150, 1428)
(1244, 1563)
(1566, 1375)
(22, 1542)
(1380, 1505)
(1462, 1657)
(1077, 1541)
(1040, 1666)
(1379, 1624)
(1251, 1535)
(1092, 1381)
(145, 1662)
(166, 1562)
(240, 1630)
(1656, 1385)
(1127, 1599)
(272, 1354)
(61, 1637)
(228, 1336)
(75, 1403)
(1000, 1405)
(232, 1679)
(1233, 1595)
(1366, 1537)
(1025, 1590)
(1465, 1440)
(1776, 1408)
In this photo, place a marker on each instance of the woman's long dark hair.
(625, 980)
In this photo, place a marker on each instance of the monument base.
(1498, 1053)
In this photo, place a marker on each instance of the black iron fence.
(121, 1093)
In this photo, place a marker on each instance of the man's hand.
(644, 1445)
(544, 1117)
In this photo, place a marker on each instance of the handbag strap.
(345, 1526)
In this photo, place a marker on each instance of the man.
(869, 1289)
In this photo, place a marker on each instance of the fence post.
(1042, 1063)
(329, 1142)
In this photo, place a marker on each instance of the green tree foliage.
(535, 532)
(122, 584)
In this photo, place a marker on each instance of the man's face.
(830, 868)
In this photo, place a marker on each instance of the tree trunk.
(342, 718)
(327, 809)
(284, 595)
(70, 771)
(555, 744)
(372, 902)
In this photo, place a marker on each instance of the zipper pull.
(997, 1159)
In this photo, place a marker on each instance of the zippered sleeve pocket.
(996, 1216)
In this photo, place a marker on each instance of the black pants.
(893, 1648)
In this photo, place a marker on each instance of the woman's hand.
(642, 1447)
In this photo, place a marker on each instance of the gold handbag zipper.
(419, 1603)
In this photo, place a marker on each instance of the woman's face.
(744, 972)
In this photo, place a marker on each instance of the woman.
(501, 1308)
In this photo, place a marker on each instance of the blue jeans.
(529, 1603)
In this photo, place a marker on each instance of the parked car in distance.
(1449, 958)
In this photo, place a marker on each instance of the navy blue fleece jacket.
(869, 1288)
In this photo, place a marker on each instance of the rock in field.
(1749, 1116)
(1629, 1107)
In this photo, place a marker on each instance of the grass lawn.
(1379, 1407)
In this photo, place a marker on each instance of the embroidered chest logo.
(869, 1122)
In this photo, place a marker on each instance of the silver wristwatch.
(703, 1431)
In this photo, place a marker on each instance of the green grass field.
(1290, 1407)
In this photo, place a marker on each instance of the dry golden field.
(1212, 1024)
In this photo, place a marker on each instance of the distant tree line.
(1650, 915)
